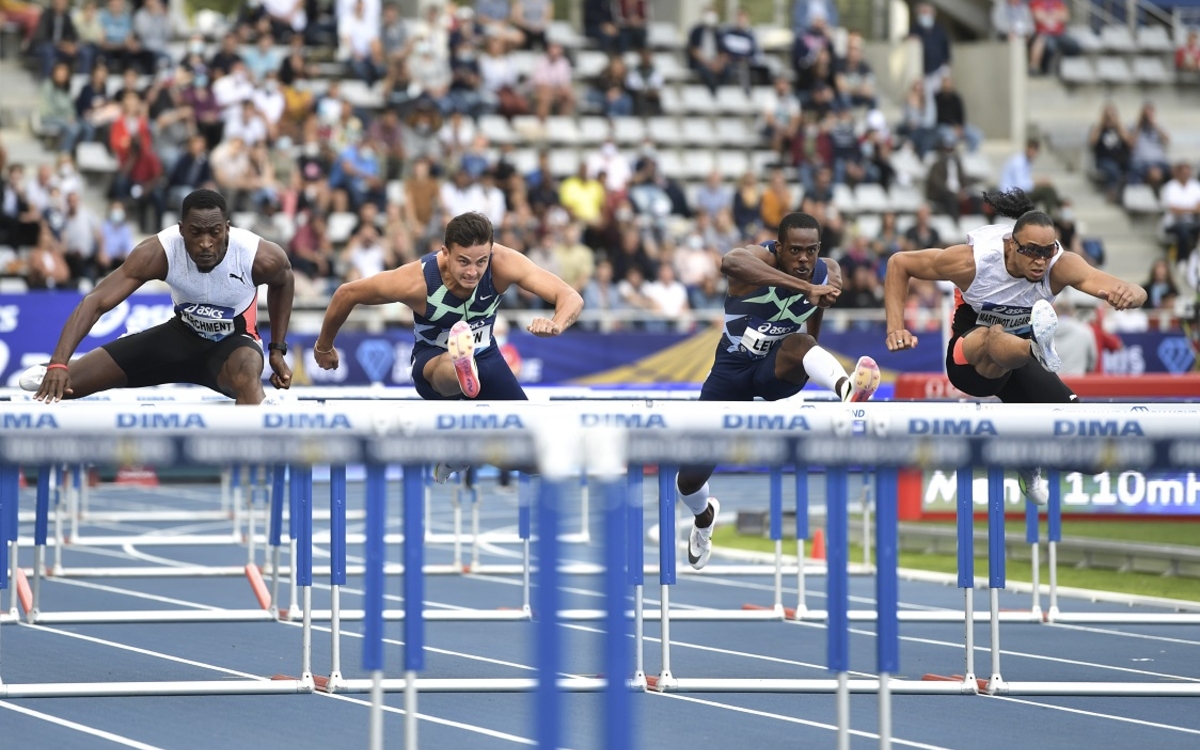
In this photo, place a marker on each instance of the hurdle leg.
(887, 595)
(1053, 536)
(372, 648)
(524, 532)
(549, 636)
(337, 577)
(303, 578)
(235, 499)
(838, 595)
(275, 532)
(585, 530)
(634, 571)
(965, 510)
(77, 499)
(225, 491)
(801, 536)
(868, 497)
(776, 482)
(295, 492)
(475, 496)
(40, 532)
(414, 597)
(251, 530)
(996, 578)
(1031, 538)
(62, 483)
(456, 504)
(667, 553)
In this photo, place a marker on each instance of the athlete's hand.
(827, 299)
(326, 360)
(281, 376)
(900, 340)
(1123, 296)
(544, 327)
(56, 385)
(819, 292)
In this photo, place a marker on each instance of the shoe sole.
(698, 562)
(31, 379)
(461, 345)
(1043, 321)
(865, 379)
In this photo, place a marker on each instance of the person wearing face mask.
(935, 50)
(806, 12)
(706, 56)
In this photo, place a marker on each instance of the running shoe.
(442, 471)
(1043, 320)
(864, 381)
(32, 378)
(1033, 486)
(461, 345)
(700, 540)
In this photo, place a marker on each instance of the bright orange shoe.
(461, 345)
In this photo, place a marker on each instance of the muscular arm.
(753, 266)
(405, 284)
(955, 263)
(1072, 270)
(271, 267)
(511, 267)
(145, 262)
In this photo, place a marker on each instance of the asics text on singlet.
(221, 302)
(443, 309)
(996, 297)
(756, 322)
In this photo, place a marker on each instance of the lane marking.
(1097, 714)
(100, 733)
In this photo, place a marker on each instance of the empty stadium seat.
(563, 33)
(669, 98)
(564, 162)
(395, 193)
(905, 198)
(663, 130)
(1152, 70)
(947, 228)
(1117, 38)
(496, 129)
(869, 225)
(698, 100)
(732, 164)
(843, 199)
(871, 198)
(1114, 70)
(1154, 39)
(663, 35)
(1077, 70)
(524, 159)
(697, 131)
(589, 63)
(670, 164)
(1140, 199)
(669, 66)
(562, 130)
(971, 222)
(733, 131)
(698, 164)
(94, 157)
(593, 130)
(735, 101)
(628, 130)
(340, 225)
(360, 95)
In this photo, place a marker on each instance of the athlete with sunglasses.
(1007, 277)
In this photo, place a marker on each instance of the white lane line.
(246, 675)
(1097, 714)
(1109, 631)
(132, 593)
(100, 733)
(793, 720)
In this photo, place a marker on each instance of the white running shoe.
(863, 381)
(461, 345)
(1033, 486)
(32, 378)
(442, 471)
(1044, 321)
(700, 540)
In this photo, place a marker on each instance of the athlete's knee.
(691, 478)
(243, 373)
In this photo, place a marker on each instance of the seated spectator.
(706, 57)
(747, 205)
(365, 255)
(270, 103)
(632, 19)
(1181, 197)
(207, 113)
(712, 197)
(600, 296)
(191, 172)
(286, 17)
(1018, 173)
(532, 18)
(83, 241)
(1187, 56)
(56, 39)
(119, 46)
(393, 33)
(776, 201)
(741, 45)
(919, 120)
(612, 164)
(226, 55)
(355, 178)
(600, 24)
(132, 143)
(431, 75)
(946, 185)
(667, 294)
(461, 194)
(952, 116)
(421, 135)
(724, 235)
(494, 17)
(812, 59)
(583, 195)
(312, 170)
(358, 34)
(474, 159)
(66, 175)
(1051, 42)
(863, 292)
(499, 81)
(87, 25)
(58, 110)
(465, 80)
(1111, 148)
(551, 80)
(20, 223)
(782, 117)
(46, 266)
(232, 171)
(1148, 161)
(808, 13)
(921, 235)
(645, 84)
(247, 123)
(853, 78)
(608, 93)
(492, 204)
(311, 254)
(576, 261)
(1160, 287)
(848, 166)
(1012, 19)
(632, 289)
(152, 28)
(261, 58)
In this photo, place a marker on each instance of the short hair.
(201, 200)
(468, 230)
(798, 220)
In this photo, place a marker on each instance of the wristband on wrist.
(56, 366)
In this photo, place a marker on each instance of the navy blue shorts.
(743, 379)
(496, 379)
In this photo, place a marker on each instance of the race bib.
(483, 336)
(208, 321)
(1014, 318)
(760, 337)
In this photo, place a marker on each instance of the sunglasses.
(1033, 250)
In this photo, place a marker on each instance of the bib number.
(759, 344)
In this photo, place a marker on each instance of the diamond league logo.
(376, 357)
(1176, 354)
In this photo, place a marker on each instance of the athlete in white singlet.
(1003, 331)
(214, 272)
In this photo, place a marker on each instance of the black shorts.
(742, 379)
(1031, 384)
(496, 379)
(173, 353)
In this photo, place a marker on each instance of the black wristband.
(281, 348)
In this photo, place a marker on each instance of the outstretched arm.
(1072, 270)
(404, 284)
(511, 267)
(272, 267)
(753, 266)
(955, 263)
(147, 261)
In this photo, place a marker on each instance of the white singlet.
(218, 303)
(995, 295)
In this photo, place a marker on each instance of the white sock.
(697, 501)
(824, 369)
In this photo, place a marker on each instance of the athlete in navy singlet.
(769, 348)
(1003, 331)
(214, 271)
